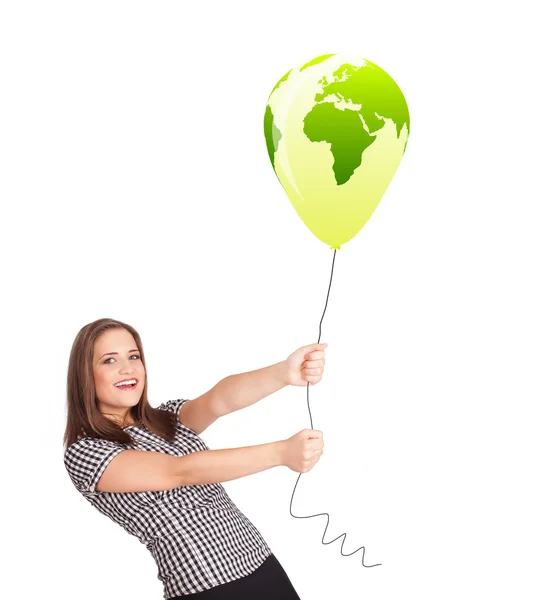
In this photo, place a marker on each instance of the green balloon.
(336, 129)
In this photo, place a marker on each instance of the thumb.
(315, 346)
(312, 347)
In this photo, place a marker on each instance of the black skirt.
(269, 581)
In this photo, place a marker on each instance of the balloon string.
(312, 427)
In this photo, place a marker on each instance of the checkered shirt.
(196, 534)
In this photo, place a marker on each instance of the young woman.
(148, 470)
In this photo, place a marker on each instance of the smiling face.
(116, 358)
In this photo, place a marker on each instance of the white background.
(135, 184)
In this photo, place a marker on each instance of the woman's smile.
(127, 384)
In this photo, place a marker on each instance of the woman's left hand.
(305, 365)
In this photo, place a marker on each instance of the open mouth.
(127, 385)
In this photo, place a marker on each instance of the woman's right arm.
(147, 471)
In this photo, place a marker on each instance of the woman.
(147, 468)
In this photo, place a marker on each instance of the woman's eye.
(111, 358)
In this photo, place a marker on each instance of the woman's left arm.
(303, 366)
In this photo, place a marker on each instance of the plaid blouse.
(196, 534)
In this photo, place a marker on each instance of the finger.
(315, 371)
(314, 363)
(314, 355)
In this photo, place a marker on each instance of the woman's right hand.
(303, 450)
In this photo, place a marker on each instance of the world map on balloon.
(336, 129)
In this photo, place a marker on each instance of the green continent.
(272, 135)
(344, 131)
(375, 90)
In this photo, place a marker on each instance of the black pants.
(268, 582)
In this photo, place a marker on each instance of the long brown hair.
(84, 419)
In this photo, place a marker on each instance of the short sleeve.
(173, 405)
(86, 460)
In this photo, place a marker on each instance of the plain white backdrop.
(135, 184)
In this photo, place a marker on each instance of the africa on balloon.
(336, 129)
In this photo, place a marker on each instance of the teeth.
(128, 381)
